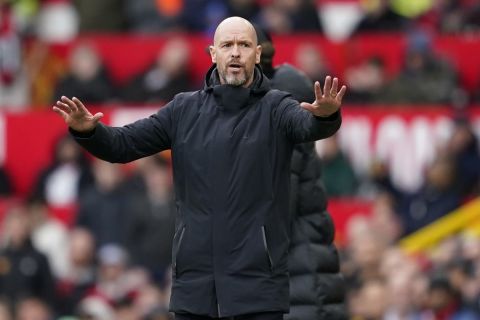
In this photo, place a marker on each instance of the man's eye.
(227, 45)
(245, 45)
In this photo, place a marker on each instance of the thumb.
(307, 106)
(97, 117)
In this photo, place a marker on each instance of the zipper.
(265, 245)
(178, 249)
(218, 310)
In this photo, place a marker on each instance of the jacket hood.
(234, 97)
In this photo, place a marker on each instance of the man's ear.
(258, 54)
(213, 54)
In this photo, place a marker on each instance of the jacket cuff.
(81, 135)
(333, 117)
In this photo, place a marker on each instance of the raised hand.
(75, 114)
(327, 103)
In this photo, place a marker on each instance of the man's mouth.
(235, 67)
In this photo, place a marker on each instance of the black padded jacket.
(316, 287)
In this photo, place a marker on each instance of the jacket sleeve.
(299, 125)
(133, 141)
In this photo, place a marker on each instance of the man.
(316, 287)
(231, 146)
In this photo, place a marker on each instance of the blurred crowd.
(29, 75)
(112, 262)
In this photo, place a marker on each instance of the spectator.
(81, 276)
(424, 79)
(401, 304)
(275, 19)
(309, 59)
(463, 148)
(366, 80)
(103, 208)
(379, 17)
(446, 16)
(49, 236)
(147, 16)
(95, 308)
(86, 77)
(435, 198)
(365, 252)
(383, 218)
(33, 309)
(112, 284)
(165, 78)
(302, 14)
(152, 302)
(5, 313)
(152, 219)
(443, 302)
(26, 272)
(13, 80)
(338, 175)
(104, 16)
(371, 301)
(472, 17)
(62, 181)
(247, 9)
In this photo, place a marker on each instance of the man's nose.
(235, 52)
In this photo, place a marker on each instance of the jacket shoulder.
(186, 97)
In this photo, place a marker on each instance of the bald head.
(235, 51)
(235, 25)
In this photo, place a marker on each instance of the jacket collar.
(231, 97)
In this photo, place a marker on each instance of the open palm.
(329, 101)
(76, 115)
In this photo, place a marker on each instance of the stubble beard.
(235, 80)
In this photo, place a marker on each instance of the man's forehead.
(238, 36)
(231, 29)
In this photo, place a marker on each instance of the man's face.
(235, 51)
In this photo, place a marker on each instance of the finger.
(70, 103)
(97, 116)
(63, 106)
(62, 113)
(79, 104)
(327, 85)
(341, 93)
(334, 89)
(318, 90)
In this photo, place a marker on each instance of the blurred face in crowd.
(84, 62)
(401, 293)
(372, 300)
(17, 227)
(82, 247)
(235, 51)
(441, 174)
(33, 309)
(5, 313)
(107, 176)
(310, 60)
(67, 150)
(174, 57)
(439, 298)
